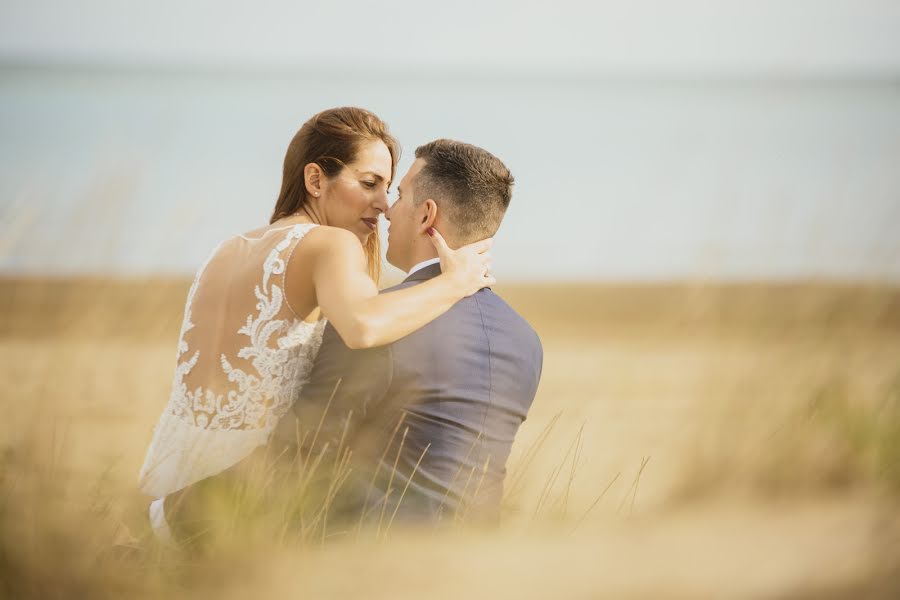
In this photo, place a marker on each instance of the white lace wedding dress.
(242, 358)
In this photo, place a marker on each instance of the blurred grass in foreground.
(687, 440)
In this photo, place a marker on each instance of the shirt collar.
(423, 264)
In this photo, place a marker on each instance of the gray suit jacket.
(460, 387)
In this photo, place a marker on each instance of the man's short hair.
(472, 187)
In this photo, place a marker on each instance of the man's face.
(406, 221)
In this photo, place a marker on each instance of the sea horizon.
(137, 171)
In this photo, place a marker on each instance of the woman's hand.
(469, 265)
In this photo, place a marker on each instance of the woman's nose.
(381, 203)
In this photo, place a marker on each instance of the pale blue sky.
(634, 38)
(708, 139)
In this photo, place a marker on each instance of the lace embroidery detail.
(189, 442)
(265, 394)
(179, 389)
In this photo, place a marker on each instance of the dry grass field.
(687, 441)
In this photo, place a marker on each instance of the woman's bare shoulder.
(264, 231)
(331, 239)
(256, 233)
(328, 247)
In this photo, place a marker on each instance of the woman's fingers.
(481, 246)
(438, 240)
(472, 262)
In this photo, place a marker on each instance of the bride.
(255, 313)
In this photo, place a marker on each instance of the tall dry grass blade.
(343, 440)
(390, 485)
(339, 476)
(298, 462)
(548, 485)
(632, 490)
(595, 502)
(564, 497)
(636, 484)
(462, 497)
(406, 487)
(475, 442)
(292, 471)
(308, 475)
(324, 505)
(302, 471)
(364, 512)
(312, 444)
(517, 477)
(474, 498)
(268, 468)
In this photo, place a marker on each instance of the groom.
(437, 410)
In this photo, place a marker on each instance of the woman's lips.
(371, 223)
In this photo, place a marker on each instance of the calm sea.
(142, 172)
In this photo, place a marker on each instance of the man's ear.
(427, 215)
(312, 179)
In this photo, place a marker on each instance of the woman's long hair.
(331, 139)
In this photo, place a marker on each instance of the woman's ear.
(312, 179)
(427, 215)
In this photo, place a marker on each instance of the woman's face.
(358, 194)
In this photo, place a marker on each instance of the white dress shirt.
(423, 264)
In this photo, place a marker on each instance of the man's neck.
(421, 265)
(421, 255)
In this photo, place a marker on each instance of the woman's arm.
(364, 318)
